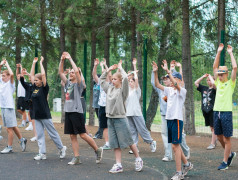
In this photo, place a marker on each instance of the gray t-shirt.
(72, 97)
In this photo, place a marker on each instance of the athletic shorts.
(9, 117)
(102, 117)
(223, 123)
(175, 128)
(74, 123)
(21, 104)
(208, 118)
(119, 133)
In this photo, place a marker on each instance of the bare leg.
(135, 150)
(178, 155)
(89, 140)
(10, 136)
(214, 137)
(75, 144)
(227, 151)
(117, 152)
(221, 140)
(105, 133)
(17, 132)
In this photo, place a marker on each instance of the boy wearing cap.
(223, 105)
(175, 99)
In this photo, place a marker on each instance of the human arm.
(156, 80)
(61, 70)
(217, 60)
(212, 81)
(82, 77)
(134, 62)
(43, 75)
(197, 82)
(95, 76)
(165, 67)
(10, 72)
(75, 68)
(125, 83)
(233, 62)
(32, 73)
(104, 84)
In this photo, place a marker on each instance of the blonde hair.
(118, 75)
(6, 72)
(38, 76)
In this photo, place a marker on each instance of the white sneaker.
(211, 146)
(166, 159)
(40, 157)
(6, 150)
(33, 139)
(177, 176)
(153, 146)
(62, 152)
(138, 165)
(29, 128)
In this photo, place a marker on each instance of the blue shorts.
(175, 128)
(223, 123)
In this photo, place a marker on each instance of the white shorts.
(9, 117)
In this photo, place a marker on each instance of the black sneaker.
(230, 159)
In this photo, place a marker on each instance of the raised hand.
(165, 66)
(62, 57)
(229, 49)
(114, 66)
(24, 72)
(178, 64)
(67, 55)
(205, 75)
(35, 60)
(104, 61)
(41, 59)
(120, 64)
(18, 65)
(154, 66)
(134, 61)
(96, 62)
(220, 48)
(172, 64)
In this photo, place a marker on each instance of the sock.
(225, 162)
(10, 147)
(119, 164)
(138, 159)
(30, 123)
(230, 155)
(107, 143)
(27, 119)
(187, 164)
(180, 172)
(23, 122)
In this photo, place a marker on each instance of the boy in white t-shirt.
(176, 96)
(7, 88)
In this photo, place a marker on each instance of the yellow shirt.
(223, 101)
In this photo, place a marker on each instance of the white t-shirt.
(6, 94)
(102, 97)
(133, 107)
(175, 103)
(20, 90)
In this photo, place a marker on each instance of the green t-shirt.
(223, 101)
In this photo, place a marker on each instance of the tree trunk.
(73, 38)
(133, 35)
(189, 125)
(43, 34)
(107, 33)
(62, 49)
(221, 18)
(154, 99)
(93, 56)
(139, 54)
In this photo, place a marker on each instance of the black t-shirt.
(208, 97)
(39, 102)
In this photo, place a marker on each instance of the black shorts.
(102, 117)
(208, 118)
(21, 104)
(74, 123)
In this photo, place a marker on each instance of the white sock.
(27, 119)
(138, 159)
(119, 164)
(107, 143)
(23, 122)
(180, 172)
(187, 164)
(30, 123)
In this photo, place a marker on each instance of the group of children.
(116, 102)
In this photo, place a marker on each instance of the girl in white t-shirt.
(134, 115)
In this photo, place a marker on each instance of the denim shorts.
(175, 129)
(223, 123)
(119, 133)
(9, 117)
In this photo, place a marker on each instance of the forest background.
(182, 30)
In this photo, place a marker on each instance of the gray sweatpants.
(49, 126)
(137, 125)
